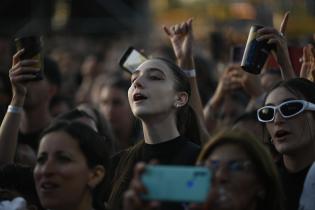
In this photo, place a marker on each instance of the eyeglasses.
(232, 165)
(286, 109)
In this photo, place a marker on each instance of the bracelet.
(190, 73)
(15, 109)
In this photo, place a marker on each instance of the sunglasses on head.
(286, 109)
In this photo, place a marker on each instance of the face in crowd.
(154, 90)
(234, 177)
(289, 118)
(115, 107)
(67, 173)
(244, 176)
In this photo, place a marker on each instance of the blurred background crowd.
(85, 40)
(77, 30)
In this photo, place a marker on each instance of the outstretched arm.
(20, 73)
(181, 37)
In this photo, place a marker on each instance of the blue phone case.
(177, 183)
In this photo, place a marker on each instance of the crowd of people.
(82, 139)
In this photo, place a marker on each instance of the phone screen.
(177, 183)
(131, 59)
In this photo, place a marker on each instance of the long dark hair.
(94, 148)
(187, 125)
(186, 118)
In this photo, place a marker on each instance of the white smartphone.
(131, 59)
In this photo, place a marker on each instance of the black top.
(19, 179)
(177, 151)
(292, 185)
(31, 139)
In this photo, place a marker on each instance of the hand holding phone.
(131, 59)
(176, 183)
(32, 51)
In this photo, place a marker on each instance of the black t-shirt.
(292, 185)
(177, 151)
(19, 178)
(31, 139)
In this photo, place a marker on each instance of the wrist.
(15, 109)
(17, 100)
(215, 103)
(191, 73)
(284, 57)
(186, 63)
(287, 70)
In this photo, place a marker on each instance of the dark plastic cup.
(256, 52)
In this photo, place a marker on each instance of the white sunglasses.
(286, 109)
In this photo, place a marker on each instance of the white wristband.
(190, 73)
(14, 109)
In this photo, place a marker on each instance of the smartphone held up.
(131, 59)
(176, 183)
(32, 46)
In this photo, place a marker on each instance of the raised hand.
(278, 39)
(227, 82)
(249, 82)
(181, 37)
(308, 63)
(274, 36)
(132, 199)
(20, 74)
